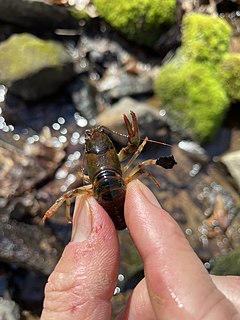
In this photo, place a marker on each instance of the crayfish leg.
(138, 170)
(135, 155)
(165, 162)
(133, 137)
(66, 197)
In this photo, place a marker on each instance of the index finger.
(179, 286)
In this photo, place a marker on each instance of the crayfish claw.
(133, 137)
(166, 162)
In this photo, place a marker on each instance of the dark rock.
(30, 246)
(27, 289)
(169, 41)
(36, 15)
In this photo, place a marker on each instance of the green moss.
(139, 20)
(25, 54)
(194, 98)
(205, 38)
(79, 14)
(229, 73)
(229, 264)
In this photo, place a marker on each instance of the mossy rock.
(228, 264)
(79, 15)
(32, 68)
(194, 99)
(142, 21)
(229, 73)
(205, 38)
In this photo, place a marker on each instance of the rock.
(149, 120)
(83, 96)
(33, 68)
(36, 15)
(9, 310)
(118, 85)
(194, 150)
(232, 162)
(27, 289)
(24, 170)
(201, 201)
(29, 246)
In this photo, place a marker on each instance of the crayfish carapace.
(107, 178)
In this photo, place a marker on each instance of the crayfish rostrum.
(107, 178)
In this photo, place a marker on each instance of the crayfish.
(107, 178)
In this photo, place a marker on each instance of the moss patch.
(229, 73)
(205, 38)
(193, 97)
(229, 264)
(139, 20)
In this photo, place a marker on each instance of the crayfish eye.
(100, 129)
(87, 134)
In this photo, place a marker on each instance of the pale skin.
(176, 284)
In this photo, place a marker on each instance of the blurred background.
(69, 65)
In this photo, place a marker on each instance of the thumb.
(178, 285)
(83, 282)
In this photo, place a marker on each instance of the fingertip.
(137, 189)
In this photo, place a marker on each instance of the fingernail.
(149, 196)
(82, 221)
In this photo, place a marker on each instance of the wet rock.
(27, 169)
(33, 68)
(36, 15)
(83, 96)
(30, 246)
(66, 178)
(201, 200)
(32, 114)
(232, 162)
(27, 289)
(9, 310)
(149, 120)
(119, 84)
(194, 150)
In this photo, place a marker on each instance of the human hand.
(176, 284)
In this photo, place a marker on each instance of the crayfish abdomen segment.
(109, 190)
